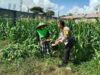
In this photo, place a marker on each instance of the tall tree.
(50, 13)
(37, 10)
(70, 14)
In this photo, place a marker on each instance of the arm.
(62, 37)
(57, 41)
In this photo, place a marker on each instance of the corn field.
(22, 40)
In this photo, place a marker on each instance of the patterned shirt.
(65, 35)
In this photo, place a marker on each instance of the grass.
(48, 66)
(87, 68)
(35, 67)
(3, 43)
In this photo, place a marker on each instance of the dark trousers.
(67, 50)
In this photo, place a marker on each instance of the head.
(61, 24)
(41, 25)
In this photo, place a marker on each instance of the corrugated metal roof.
(92, 15)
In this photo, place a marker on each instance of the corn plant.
(86, 35)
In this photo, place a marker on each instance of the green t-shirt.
(42, 32)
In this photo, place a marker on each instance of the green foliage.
(18, 52)
(87, 68)
(50, 13)
(22, 37)
(37, 10)
(86, 35)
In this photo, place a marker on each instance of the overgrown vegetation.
(21, 44)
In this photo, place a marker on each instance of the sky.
(62, 7)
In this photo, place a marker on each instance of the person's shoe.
(61, 65)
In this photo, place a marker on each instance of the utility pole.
(14, 7)
(58, 15)
(21, 3)
(28, 10)
(9, 6)
(9, 13)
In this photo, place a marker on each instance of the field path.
(3, 43)
(57, 71)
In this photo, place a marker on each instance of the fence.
(14, 15)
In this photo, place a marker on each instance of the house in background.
(82, 17)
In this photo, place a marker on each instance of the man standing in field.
(42, 35)
(66, 37)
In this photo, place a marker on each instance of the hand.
(57, 42)
(53, 45)
(47, 39)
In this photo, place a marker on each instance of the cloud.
(61, 7)
(76, 10)
(85, 9)
(48, 4)
(30, 3)
(10, 3)
(45, 4)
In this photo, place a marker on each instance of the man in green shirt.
(42, 35)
